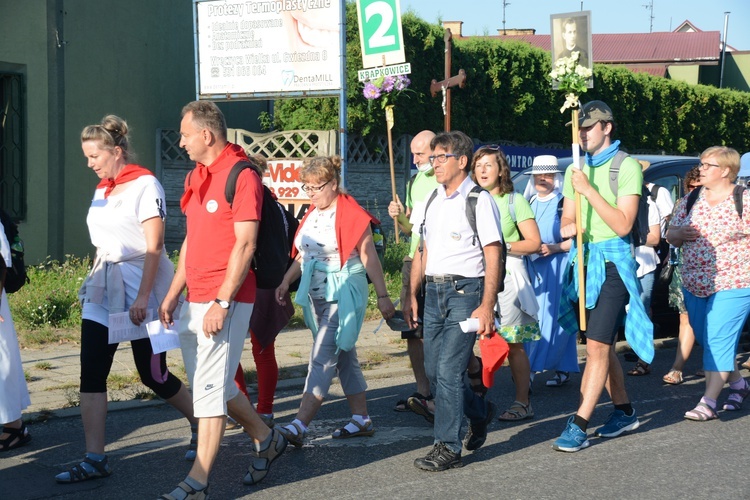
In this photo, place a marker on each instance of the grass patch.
(117, 382)
(51, 297)
(64, 387)
(372, 359)
(286, 373)
(144, 394)
(72, 397)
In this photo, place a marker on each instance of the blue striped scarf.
(639, 331)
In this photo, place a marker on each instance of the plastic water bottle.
(673, 255)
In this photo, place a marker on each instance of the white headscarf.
(531, 191)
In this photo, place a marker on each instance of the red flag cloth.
(494, 350)
(130, 172)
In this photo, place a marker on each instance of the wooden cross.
(445, 85)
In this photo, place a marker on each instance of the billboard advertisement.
(266, 47)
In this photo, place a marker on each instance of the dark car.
(665, 171)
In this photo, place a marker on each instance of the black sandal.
(479, 389)
(21, 434)
(77, 473)
(402, 405)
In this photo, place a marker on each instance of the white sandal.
(559, 379)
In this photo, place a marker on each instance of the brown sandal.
(640, 369)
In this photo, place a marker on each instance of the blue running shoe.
(617, 423)
(572, 439)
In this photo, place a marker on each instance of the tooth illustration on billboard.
(287, 77)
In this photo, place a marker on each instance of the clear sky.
(607, 16)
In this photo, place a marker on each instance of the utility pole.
(650, 7)
(724, 49)
(505, 4)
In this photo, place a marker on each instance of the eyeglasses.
(441, 158)
(704, 166)
(493, 147)
(314, 189)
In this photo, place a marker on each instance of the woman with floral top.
(715, 242)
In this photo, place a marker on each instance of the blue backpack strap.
(614, 170)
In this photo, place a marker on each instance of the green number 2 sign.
(380, 32)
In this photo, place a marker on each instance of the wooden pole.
(448, 56)
(389, 126)
(579, 230)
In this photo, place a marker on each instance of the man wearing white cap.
(611, 284)
(556, 350)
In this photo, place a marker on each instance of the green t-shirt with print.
(523, 212)
(629, 182)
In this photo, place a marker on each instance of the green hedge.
(508, 96)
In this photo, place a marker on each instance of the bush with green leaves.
(509, 96)
(50, 300)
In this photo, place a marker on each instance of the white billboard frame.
(233, 10)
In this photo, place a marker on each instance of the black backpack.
(471, 215)
(738, 192)
(15, 276)
(639, 231)
(275, 233)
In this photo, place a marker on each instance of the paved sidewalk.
(53, 372)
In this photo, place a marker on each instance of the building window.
(12, 145)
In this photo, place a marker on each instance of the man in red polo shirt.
(214, 264)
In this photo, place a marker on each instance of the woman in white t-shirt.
(131, 272)
(333, 252)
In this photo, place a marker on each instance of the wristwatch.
(222, 303)
(507, 247)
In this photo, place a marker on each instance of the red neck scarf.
(201, 174)
(128, 173)
(351, 223)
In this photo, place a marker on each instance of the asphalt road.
(668, 457)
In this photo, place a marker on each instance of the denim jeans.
(446, 355)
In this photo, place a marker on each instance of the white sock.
(360, 419)
(293, 429)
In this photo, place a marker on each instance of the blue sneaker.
(617, 423)
(572, 439)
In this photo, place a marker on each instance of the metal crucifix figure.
(449, 81)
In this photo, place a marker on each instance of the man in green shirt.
(418, 191)
(611, 284)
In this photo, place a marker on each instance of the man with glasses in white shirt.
(462, 274)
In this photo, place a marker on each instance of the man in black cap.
(608, 212)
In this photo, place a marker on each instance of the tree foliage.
(508, 96)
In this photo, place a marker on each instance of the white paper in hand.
(470, 325)
(162, 339)
(121, 329)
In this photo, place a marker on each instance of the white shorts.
(211, 363)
